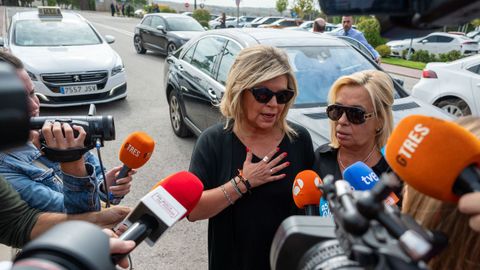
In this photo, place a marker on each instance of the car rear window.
(317, 68)
(54, 33)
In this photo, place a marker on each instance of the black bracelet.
(245, 181)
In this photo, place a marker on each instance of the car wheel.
(454, 106)
(171, 48)
(176, 117)
(137, 43)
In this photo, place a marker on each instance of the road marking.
(121, 31)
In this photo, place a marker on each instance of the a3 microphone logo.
(298, 185)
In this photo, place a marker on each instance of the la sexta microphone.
(362, 177)
(171, 199)
(305, 192)
(436, 157)
(136, 150)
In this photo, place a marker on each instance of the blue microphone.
(360, 176)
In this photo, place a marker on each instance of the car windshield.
(54, 33)
(184, 24)
(317, 68)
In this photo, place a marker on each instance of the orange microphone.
(436, 157)
(136, 150)
(305, 192)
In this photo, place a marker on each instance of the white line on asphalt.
(125, 32)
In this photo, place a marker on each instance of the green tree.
(371, 30)
(303, 8)
(202, 16)
(281, 5)
(475, 22)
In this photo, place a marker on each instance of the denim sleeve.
(92, 159)
(81, 192)
(37, 195)
(360, 37)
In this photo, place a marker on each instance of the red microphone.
(305, 192)
(169, 201)
(136, 150)
(436, 157)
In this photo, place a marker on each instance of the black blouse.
(240, 236)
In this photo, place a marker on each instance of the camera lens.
(327, 255)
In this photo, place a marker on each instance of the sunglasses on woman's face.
(264, 95)
(355, 115)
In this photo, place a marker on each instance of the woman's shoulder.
(214, 134)
(325, 150)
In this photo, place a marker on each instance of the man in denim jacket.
(72, 187)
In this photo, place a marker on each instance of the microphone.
(170, 200)
(436, 157)
(362, 177)
(136, 150)
(305, 192)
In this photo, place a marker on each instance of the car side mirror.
(424, 41)
(110, 39)
(161, 28)
(206, 28)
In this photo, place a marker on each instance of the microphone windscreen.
(429, 154)
(360, 176)
(185, 187)
(305, 191)
(136, 150)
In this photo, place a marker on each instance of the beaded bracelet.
(244, 181)
(235, 187)
(226, 195)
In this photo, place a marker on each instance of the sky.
(231, 3)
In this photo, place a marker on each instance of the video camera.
(72, 245)
(97, 127)
(14, 109)
(365, 233)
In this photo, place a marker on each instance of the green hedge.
(383, 50)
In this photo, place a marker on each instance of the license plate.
(78, 89)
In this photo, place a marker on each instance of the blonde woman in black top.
(245, 209)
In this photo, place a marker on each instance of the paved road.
(146, 109)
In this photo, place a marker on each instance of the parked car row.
(435, 43)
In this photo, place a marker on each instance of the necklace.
(364, 160)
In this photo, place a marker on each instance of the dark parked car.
(197, 73)
(164, 32)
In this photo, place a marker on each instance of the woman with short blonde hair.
(248, 164)
(360, 113)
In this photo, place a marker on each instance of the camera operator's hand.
(470, 204)
(122, 185)
(61, 136)
(118, 246)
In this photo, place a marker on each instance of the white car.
(435, 43)
(68, 61)
(475, 35)
(454, 86)
(230, 22)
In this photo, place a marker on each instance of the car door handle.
(212, 93)
(183, 88)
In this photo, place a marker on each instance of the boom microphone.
(305, 192)
(436, 157)
(136, 150)
(171, 199)
(362, 177)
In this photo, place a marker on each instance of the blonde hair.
(380, 88)
(252, 66)
(464, 243)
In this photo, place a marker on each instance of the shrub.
(202, 16)
(371, 30)
(454, 55)
(421, 56)
(383, 50)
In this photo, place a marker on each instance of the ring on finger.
(271, 171)
(265, 158)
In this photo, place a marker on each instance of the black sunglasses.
(264, 95)
(355, 115)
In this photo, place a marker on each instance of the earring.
(378, 130)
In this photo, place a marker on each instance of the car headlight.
(32, 76)
(119, 67)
